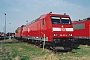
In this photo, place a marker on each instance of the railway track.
(53, 51)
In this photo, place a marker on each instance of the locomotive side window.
(65, 21)
(55, 20)
(79, 26)
(16, 31)
(43, 21)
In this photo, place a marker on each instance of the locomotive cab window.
(59, 20)
(65, 21)
(55, 20)
(16, 31)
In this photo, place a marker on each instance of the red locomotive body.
(57, 28)
(18, 32)
(82, 31)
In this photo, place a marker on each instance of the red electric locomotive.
(18, 32)
(82, 31)
(56, 28)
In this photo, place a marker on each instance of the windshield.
(65, 20)
(55, 20)
(59, 20)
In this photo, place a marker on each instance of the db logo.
(63, 29)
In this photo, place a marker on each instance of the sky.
(20, 11)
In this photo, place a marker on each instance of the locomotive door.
(43, 27)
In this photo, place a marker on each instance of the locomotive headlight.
(55, 34)
(69, 34)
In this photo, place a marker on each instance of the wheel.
(40, 44)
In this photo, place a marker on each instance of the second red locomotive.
(57, 29)
(82, 31)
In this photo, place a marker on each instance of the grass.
(20, 50)
(82, 53)
(16, 50)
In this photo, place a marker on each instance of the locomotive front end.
(62, 32)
